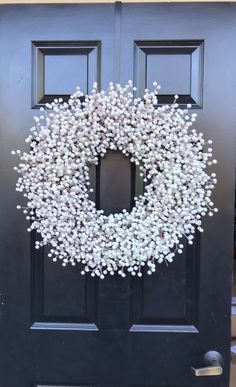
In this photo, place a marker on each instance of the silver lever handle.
(213, 361)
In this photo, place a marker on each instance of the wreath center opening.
(114, 183)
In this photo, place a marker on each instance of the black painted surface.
(58, 328)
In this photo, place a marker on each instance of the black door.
(59, 328)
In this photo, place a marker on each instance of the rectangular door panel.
(58, 67)
(177, 65)
(59, 299)
(167, 300)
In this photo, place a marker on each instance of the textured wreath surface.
(54, 176)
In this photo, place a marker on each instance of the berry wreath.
(54, 176)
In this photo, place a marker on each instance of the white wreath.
(55, 180)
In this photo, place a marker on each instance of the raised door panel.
(177, 65)
(168, 299)
(62, 298)
(58, 67)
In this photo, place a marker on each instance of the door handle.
(213, 361)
